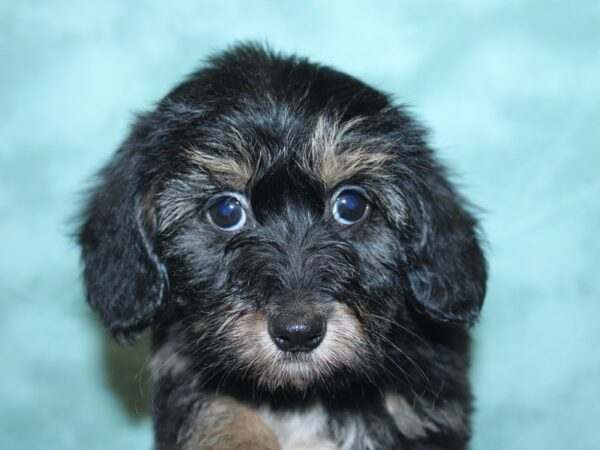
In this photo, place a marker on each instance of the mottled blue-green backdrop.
(510, 88)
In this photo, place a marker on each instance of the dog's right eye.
(227, 214)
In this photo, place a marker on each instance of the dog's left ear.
(448, 270)
(124, 277)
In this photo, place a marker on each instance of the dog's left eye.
(350, 207)
(227, 214)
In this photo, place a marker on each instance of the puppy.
(308, 272)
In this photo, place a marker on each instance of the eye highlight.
(350, 207)
(227, 214)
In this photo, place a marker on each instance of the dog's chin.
(297, 372)
(301, 372)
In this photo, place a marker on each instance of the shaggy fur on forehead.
(326, 157)
(397, 291)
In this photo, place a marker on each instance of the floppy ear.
(124, 277)
(448, 270)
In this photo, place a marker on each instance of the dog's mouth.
(296, 351)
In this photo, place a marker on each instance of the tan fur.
(226, 424)
(234, 170)
(326, 156)
(331, 162)
(342, 346)
(410, 424)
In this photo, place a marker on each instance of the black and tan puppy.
(307, 270)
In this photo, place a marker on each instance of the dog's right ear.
(124, 278)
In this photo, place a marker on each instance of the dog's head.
(290, 211)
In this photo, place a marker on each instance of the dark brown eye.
(227, 214)
(350, 207)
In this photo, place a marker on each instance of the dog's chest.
(300, 430)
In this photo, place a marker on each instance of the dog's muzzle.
(297, 332)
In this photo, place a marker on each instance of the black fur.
(413, 273)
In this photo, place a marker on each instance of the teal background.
(511, 90)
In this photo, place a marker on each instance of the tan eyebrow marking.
(327, 156)
(235, 169)
(331, 163)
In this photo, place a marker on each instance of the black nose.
(293, 333)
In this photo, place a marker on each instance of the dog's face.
(292, 216)
(282, 248)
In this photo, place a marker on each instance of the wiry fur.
(342, 347)
(399, 290)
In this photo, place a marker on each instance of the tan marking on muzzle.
(342, 346)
